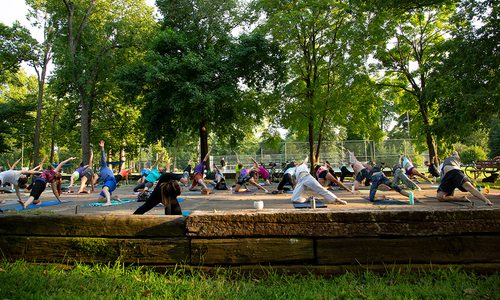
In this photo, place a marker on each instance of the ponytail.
(169, 190)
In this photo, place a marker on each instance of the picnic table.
(482, 167)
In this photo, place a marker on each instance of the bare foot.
(107, 204)
(3, 201)
(37, 203)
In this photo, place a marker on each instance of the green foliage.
(494, 139)
(16, 46)
(107, 281)
(17, 104)
(198, 76)
(471, 154)
(467, 89)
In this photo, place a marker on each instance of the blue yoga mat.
(113, 202)
(307, 204)
(184, 213)
(32, 206)
(389, 202)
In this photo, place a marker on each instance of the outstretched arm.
(39, 167)
(255, 164)
(55, 191)
(14, 164)
(237, 158)
(160, 158)
(91, 159)
(206, 155)
(61, 164)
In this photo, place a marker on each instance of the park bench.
(482, 167)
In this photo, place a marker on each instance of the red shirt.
(48, 175)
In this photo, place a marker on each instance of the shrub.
(472, 154)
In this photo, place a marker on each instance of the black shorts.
(89, 173)
(38, 187)
(453, 179)
(362, 175)
(323, 174)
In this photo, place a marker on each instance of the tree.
(466, 88)
(40, 63)
(410, 54)
(327, 87)
(16, 46)
(200, 79)
(17, 96)
(94, 38)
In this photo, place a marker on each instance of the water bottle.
(410, 196)
(313, 202)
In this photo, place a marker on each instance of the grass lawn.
(21, 280)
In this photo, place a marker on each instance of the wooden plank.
(102, 250)
(440, 250)
(93, 225)
(251, 251)
(345, 223)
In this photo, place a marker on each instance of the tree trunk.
(204, 140)
(312, 159)
(85, 129)
(53, 136)
(38, 122)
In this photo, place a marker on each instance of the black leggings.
(345, 173)
(38, 188)
(287, 178)
(154, 199)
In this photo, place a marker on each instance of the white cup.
(258, 205)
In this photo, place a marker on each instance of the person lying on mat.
(305, 181)
(453, 177)
(166, 191)
(52, 176)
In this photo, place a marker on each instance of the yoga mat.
(113, 202)
(307, 204)
(184, 213)
(390, 202)
(194, 193)
(32, 206)
(245, 192)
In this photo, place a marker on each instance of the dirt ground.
(194, 202)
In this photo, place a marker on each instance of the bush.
(472, 154)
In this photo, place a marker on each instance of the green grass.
(20, 280)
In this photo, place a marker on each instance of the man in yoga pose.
(248, 176)
(87, 176)
(288, 178)
(17, 179)
(199, 171)
(410, 169)
(307, 181)
(166, 192)
(152, 176)
(325, 177)
(379, 179)
(400, 176)
(453, 177)
(361, 171)
(51, 176)
(108, 179)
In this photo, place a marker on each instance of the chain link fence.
(335, 152)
